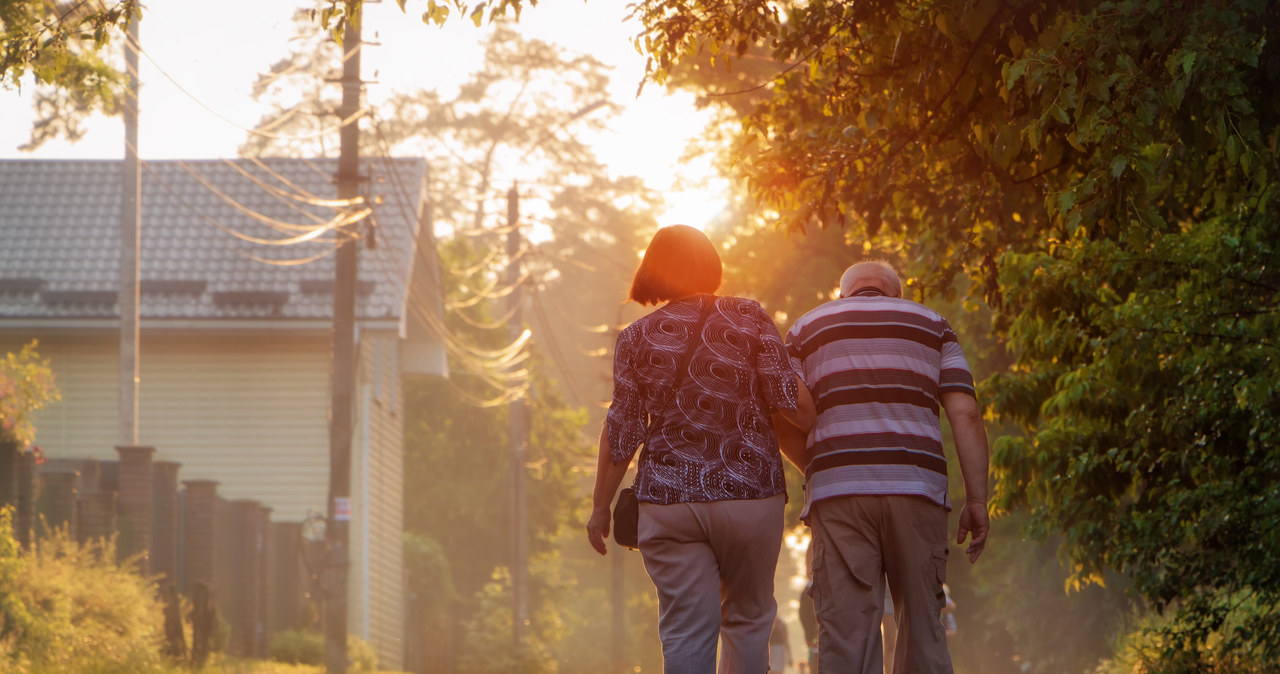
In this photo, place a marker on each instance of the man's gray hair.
(874, 273)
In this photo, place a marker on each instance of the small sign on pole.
(342, 509)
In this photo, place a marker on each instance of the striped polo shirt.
(877, 367)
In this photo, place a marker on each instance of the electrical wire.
(203, 216)
(483, 363)
(311, 232)
(351, 119)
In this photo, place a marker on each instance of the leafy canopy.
(1105, 172)
(60, 46)
(26, 385)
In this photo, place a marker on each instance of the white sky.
(213, 52)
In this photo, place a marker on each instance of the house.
(237, 283)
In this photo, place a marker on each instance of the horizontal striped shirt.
(877, 367)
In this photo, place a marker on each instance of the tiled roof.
(60, 238)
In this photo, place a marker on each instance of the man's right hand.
(974, 522)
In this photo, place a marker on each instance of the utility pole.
(130, 249)
(519, 431)
(342, 374)
(617, 567)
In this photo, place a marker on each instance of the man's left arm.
(970, 435)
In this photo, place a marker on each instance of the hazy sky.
(201, 60)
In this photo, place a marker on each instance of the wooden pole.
(337, 529)
(130, 250)
(519, 431)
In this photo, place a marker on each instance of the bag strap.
(681, 370)
(683, 367)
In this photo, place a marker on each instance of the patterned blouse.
(716, 442)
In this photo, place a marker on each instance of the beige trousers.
(859, 543)
(713, 565)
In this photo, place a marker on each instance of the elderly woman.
(709, 480)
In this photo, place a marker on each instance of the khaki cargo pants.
(860, 544)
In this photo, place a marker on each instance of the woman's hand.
(608, 477)
(598, 529)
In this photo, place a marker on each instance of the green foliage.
(515, 121)
(335, 17)
(1156, 645)
(1105, 172)
(429, 573)
(297, 647)
(587, 588)
(68, 607)
(488, 632)
(57, 44)
(307, 648)
(458, 507)
(62, 45)
(26, 385)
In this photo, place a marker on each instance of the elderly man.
(880, 368)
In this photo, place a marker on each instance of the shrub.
(67, 607)
(1161, 644)
(302, 647)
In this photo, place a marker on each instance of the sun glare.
(192, 81)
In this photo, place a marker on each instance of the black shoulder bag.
(626, 512)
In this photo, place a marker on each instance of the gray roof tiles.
(60, 222)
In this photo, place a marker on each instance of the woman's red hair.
(680, 261)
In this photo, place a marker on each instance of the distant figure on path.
(697, 382)
(881, 368)
(779, 647)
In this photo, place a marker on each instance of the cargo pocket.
(939, 562)
(841, 570)
(819, 589)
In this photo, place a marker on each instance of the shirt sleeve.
(955, 376)
(773, 366)
(625, 421)
(793, 353)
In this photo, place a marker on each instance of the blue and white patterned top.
(716, 442)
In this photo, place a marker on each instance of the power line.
(208, 219)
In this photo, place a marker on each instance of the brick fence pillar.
(8, 470)
(247, 582)
(268, 589)
(288, 577)
(96, 515)
(24, 520)
(57, 502)
(134, 503)
(91, 476)
(164, 532)
(199, 534)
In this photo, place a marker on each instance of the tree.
(26, 385)
(1105, 172)
(510, 121)
(60, 45)
(1013, 613)
(516, 123)
(457, 467)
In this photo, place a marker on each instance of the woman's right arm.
(792, 428)
(608, 477)
(806, 414)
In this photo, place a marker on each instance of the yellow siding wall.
(252, 413)
(378, 502)
(84, 423)
(249, 412)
